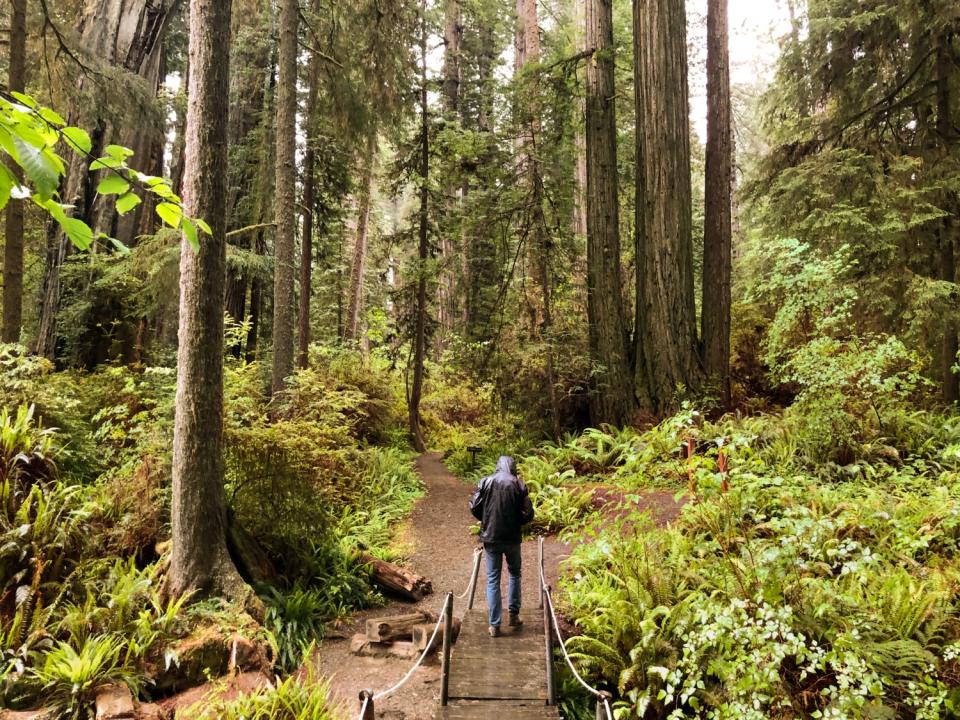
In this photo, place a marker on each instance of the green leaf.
(78, 231)
(6, 184)
(105, 162)
(78, 138)
(202, 224)
(118, 152)
(38, 169)
(190, 232)
(25, 99)
(127, 202)
(113, 185)
(119, 246)
(52, 117)
(171, 214)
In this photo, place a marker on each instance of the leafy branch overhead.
(29, 136)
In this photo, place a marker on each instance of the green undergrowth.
(787, 587)
(314, 475)
(298, 697)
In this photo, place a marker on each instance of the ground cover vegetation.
(257, 255)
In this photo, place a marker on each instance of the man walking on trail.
(502, 505)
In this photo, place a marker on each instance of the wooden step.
(496, 710)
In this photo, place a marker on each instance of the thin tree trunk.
(423, 250)
(200, 560)
(667, 357)
(285, 199)
(351, 330)
(948, 270)
(612, 398)
(13, 237)
(306, 241)
(715, 306)
(264, 209)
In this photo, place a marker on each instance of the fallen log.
(398, 580)
(362, 645)
(396, 627)
(422, 633)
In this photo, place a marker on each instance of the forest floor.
(441, 544)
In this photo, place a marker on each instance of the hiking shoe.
(494, 630)
(514, 620)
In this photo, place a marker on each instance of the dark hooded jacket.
(501, 504)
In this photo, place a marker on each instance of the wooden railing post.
(548, 646)
(447, 638)
(366, 705)
(540, 563)
(473, 581)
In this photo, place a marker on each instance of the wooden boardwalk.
(504, 677)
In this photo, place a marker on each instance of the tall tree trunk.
(13, 235)
(423, 250)
(447, 295)
(351, 330)
(667, 356)
(481, 251)
(948, 270)
(579, 141)
(612, 397)
(715, 306)
(285, 200)
(264, 193)
(306, 241)
(538, 235)
(200, 560)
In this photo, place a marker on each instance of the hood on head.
(507, 464)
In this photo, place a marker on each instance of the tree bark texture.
(612, 397)
(351, 328)
(126, 34)
(948, 240)
(285, 198)
(715, 306)
(447, 288)
(13, 231)
(423, 251)
(200, 559)
(579, 141)
(666, 350)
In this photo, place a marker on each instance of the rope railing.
(552, 627)
(368, 698)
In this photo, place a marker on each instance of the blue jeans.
(494, 553)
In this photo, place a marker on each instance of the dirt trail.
(443, 552)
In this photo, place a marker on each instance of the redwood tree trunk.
(200, 560)
(423, 251)
(579, 142)
(351, 328)
(285, 200)
(666, 333)
(612, 397)
(13, 235)
(715, 310)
